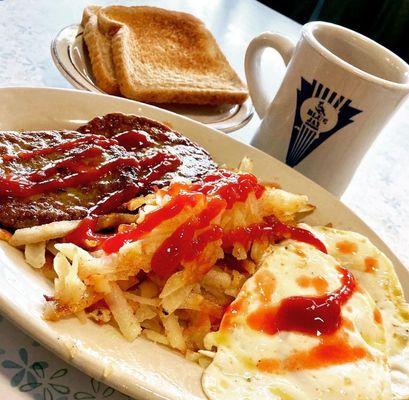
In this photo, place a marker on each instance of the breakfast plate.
(71, 58)
(140, 368)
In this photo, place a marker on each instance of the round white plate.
(141, 369)
(71, 58)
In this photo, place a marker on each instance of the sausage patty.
(75, 202)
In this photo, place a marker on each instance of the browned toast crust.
(100, 52)
(162, 56)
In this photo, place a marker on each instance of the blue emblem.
(320, 113)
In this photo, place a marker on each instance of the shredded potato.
(115, 219)
(172, 302)
(155, 337)
(239, 251)
(42, 233)
(148, 289)
(68, 286)
(258, 249)
(207, 353)
(154, 324)
(144, 313)
(285, 205)
(246, 165)
(217, 278)
(100, 315)
(122, 288)
(122, 313)
(100, 283)
(174, 332)
(193, 301)
(87, 264)
(142, 300)
(174, 283)
(134, 204)
(34, 254)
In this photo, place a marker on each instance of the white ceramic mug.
(339, 90)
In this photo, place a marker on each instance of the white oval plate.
(141, 369)
(71, 58)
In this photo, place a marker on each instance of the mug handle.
(252, 62)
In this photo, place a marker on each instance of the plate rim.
(87, 365)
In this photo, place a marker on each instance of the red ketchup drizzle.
(85, 231)
(159, 164)
(315, 316)
(181, 246)
(151, 221)
(274, 230)
(134, 139)
(61, 147)
(230, 186)
(24, 188)
(156, 166)
(72, 163)
(81, 173)
(33, 184)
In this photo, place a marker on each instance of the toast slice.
(163, 56)
(99, 50)
(88, 12)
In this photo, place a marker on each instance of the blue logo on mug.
(320, 113)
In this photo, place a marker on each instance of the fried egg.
(259, 359)
(375, 272)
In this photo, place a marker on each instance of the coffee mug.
(339, 90)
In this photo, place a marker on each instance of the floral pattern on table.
(97, 388)
(40, 375)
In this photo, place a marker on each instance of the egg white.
(383, 285)
(233, 373)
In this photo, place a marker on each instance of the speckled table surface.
(378, 193)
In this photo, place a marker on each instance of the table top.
(378, 192)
